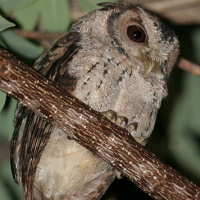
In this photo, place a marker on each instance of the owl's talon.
(142, 140)
(69, 137)
(119, 174)
(132, 127)
(122, 121)
(111, 115)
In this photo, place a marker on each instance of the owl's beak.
(150, 64)
(148, 67)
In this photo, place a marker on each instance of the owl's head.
(141, 36)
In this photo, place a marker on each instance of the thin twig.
(35, 35)
(189, 66)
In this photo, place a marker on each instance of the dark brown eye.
(136, 34)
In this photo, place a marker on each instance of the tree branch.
(36, 35)
(93, 131)
(189, 66)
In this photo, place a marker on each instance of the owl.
(116, 60)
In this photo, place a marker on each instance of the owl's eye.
(136, 34)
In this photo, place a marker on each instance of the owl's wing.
(31, 131)
(96, 188)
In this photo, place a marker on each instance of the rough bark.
(93, 131)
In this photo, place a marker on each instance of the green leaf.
(90, 5)
(55, 15)
(2, 43)
(10, 5)
(21, 45)
(184, 129)
(6, 177)
(28, 15)
(196, 44)
(2, 100)
(6, 119)
(5, 193)
(4, 24)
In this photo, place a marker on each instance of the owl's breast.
(137, 101)
(98, 73)
(107, 81)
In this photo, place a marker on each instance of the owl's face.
(147, 42)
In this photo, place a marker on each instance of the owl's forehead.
(153, 23)
(127, 12)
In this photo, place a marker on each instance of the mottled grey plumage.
(99, 63)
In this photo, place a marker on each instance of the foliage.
(184, 128)
(177, 132)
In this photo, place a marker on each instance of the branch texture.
(93, 131)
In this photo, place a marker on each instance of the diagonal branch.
(189, 66)
(93, 131)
